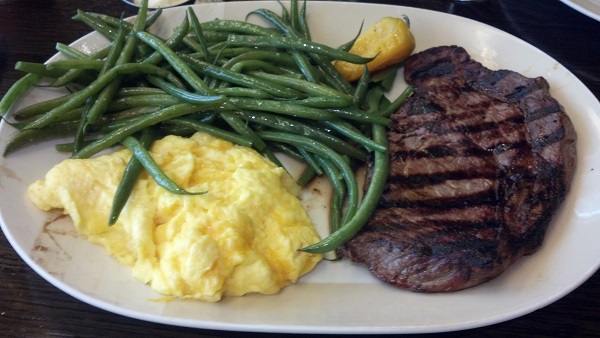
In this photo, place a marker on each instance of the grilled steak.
(480, 161)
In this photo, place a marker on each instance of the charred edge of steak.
(480, 161)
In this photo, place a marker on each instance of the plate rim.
(581, 8)
(287, 329)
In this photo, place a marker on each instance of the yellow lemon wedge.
(389, 40)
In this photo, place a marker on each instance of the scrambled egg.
(241, 237)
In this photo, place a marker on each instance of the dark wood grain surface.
(29, 30)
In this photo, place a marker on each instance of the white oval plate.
(590, 8)
(338, 297)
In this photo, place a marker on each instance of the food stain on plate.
(52, 244)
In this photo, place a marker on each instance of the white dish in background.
(590, 8)
(159, 3)
(337, 297)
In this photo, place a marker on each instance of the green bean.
(132, 171)
(181, 94)
(75, 64)
(124, 118)
(178, 64)
(41, 107)
(119, 109)
(15, 91)
(351, 132)
(250, 66)
(339, 192)
(310, 160)
(115, 22)
(235, 26)
(243, 92)
(304, 65)
(384, 103)
(134, 91)
(169, 129)
(39, 69)
(386, 77)
(323, 62)
(206, 117)
(332, 75)
(218, 51)
(131, 41)
(361, 88)
(322, 150)
(221, 50)
(285, 14)
(323, 102)
(195, 46)
(110, 20)
(153, 169)
(354, 114)
(127, 113)
(294, 126)
(115, 136)
(173, 41)
(373, 99)
(126, 98)
(197, 28)
(307, 175)
(302, 24)
(397, 102)
(302, 85)
(336, 210)
(97, 86)
(152, 17)
(242, 128)
(287, 150)
(213, 37)
(212, 130)
(97, 25)
(83, 124)
(368, 204)
(348, 45)
(281, 107)
(264, 55)
(28, 136)
(67, 147)
(296, 44)
(70, 115)
(254, 65)
(294, 15)
(122, 52)
(69, 51)
(75, 74)
(330, 81)
(301, 60)
(128, 102)
(239, 79)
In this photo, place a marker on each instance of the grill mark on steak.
(552, 108)
(444, 195)
(442, 166)
(440, 224)
(480, 161)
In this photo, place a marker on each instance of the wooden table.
(31, 307)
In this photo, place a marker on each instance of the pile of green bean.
(270, 88)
